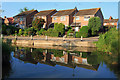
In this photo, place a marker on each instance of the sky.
(108, 8)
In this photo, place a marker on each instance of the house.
(25, 18)
(81, 18)
(64, 16)
(8, 21)
(111, 22)
(1, 20)
(46, 15)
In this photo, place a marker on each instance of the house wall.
(110, 24)
(6, 21)
(58, 20)
(81, 20)
(29, 18)
(100, 15)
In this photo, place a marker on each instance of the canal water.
(52, 63)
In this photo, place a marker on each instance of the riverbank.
(53, 41)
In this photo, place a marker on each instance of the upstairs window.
(54, 18)
(21, 18)
(86, 18)
(63, 18)
(15, 18)
(112, 23)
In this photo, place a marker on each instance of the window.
(15, 19)
(21, 18)
(63, 18)
(105, 23)
(42, 17)
(77, 17)
(54, 18)
(86, 18)
(112, 23)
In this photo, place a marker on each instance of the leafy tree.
(94, 25)
(60, 28)
(24, 9)
(38, 23)
(83, 32)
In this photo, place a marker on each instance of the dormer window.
(86, 18)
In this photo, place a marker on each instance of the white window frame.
(77, 18)
(86, 18)
(54, 18)
(112, 23)
(63, 18)
(105, 23)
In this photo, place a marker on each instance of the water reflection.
(52, 57)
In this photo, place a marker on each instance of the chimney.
(110, 18)
(4, 17)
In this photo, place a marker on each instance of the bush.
(51, 32)
(40, 32)
(20, 32)
(60, 28)
(38, 23)
(94, 25)
(83, 32)
(8, 30)
(70, 32)
(108, 42)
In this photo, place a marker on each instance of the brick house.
(82, 17)
(64, 16)
(25, 18)
(46, 15)
(8, 21)
(111, 22)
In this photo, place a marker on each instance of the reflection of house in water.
(70, 59)
(21, 54)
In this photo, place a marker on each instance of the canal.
(54, 63)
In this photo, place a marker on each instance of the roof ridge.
(48, 10)
(89, 9)
(66, 9)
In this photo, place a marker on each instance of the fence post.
(31, 37)
(81, 38)
(1, 35)
(46, 38)
(15, 37)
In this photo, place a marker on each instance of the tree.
(38, 23)
(94, 25)
(83, 32)
(60, 28)
(24, 9)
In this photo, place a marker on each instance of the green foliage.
(60, 28)
(38, 23)
(83, 32)
(70, 32)
(94, 25)
(40, 32)
(24, 9)
(108, 42)
(20, 32)
(8, 30)
(57, 53)
(51, 32)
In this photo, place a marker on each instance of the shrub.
(83, 32)
(38, 23)
(20, 32)
(108, 42)
(51, 32)
(70, 32)
(60, 28)
(40, 32)
(94, 25)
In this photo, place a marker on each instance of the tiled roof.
(45, 12)
(64, 12)
(87, 11)
(112, 20)
(25, 13)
